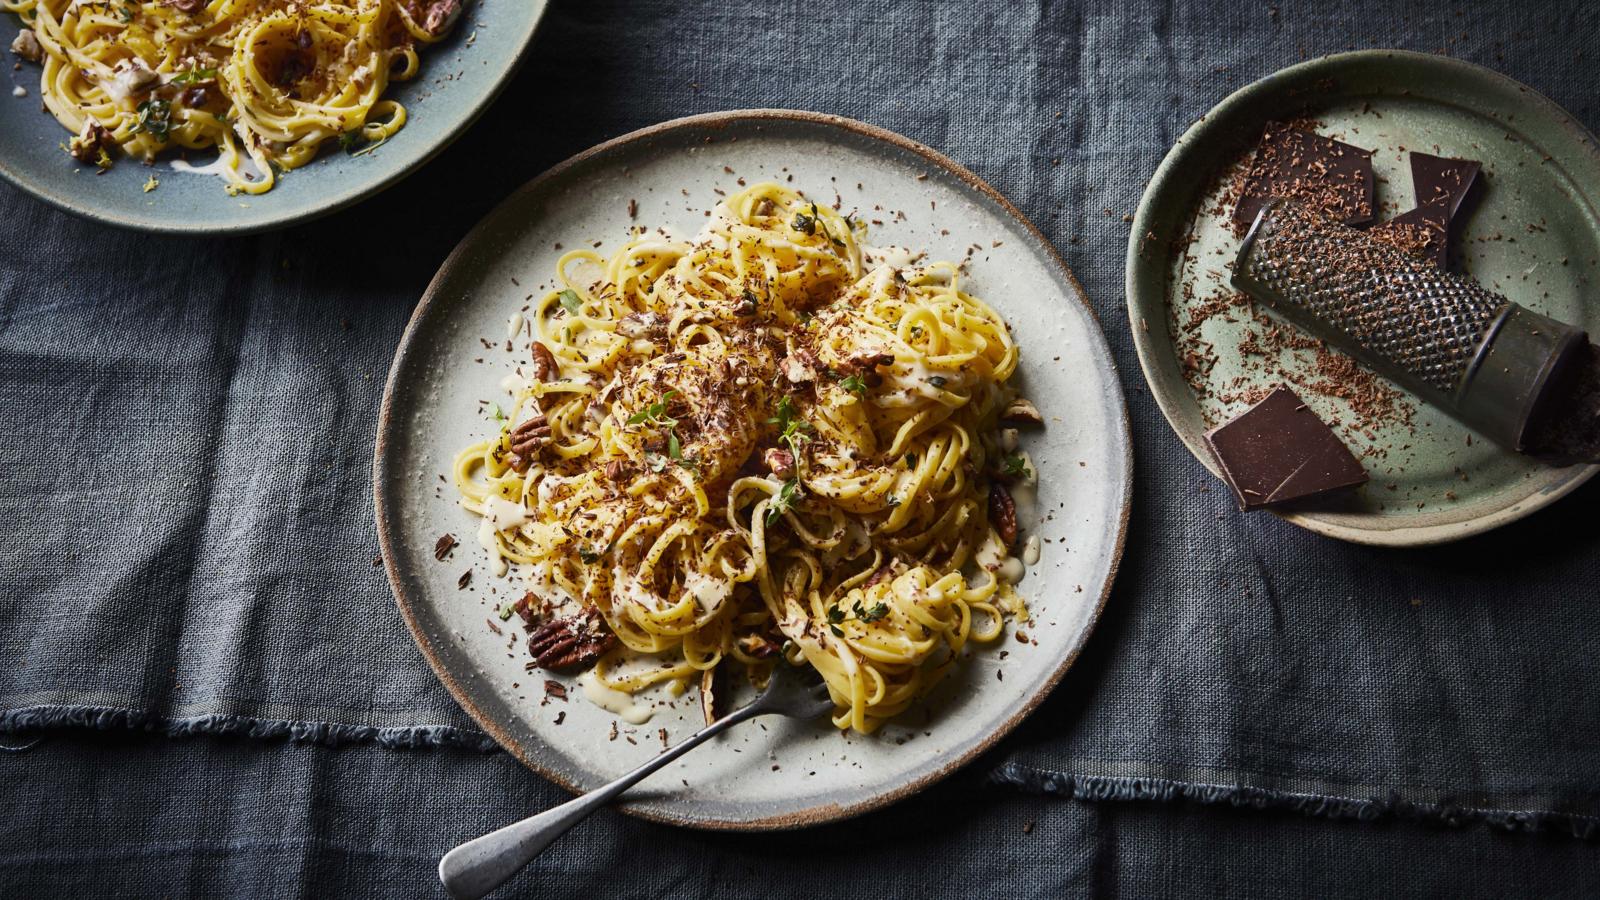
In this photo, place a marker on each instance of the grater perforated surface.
(1424, 323)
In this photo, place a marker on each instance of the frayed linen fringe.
(1104, 788)
(30, 720)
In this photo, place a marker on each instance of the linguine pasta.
(264, 82)
(767, 442)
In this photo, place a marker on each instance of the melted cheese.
(615, 702)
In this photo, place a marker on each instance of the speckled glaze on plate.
(775, 773)
(460, 76)
(1533, 236)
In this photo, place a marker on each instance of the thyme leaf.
(1016, 466)
(655, 413)
(196, 76)
(784, 499)
(155, 119)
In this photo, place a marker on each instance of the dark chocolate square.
(1422, 232)
(1437, 179)
(1301, 165)
(1278, 451)
(1441, 186)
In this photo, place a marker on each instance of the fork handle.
(480, 865)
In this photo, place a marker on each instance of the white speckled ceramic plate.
(1534, 236)
(774, 773)
(460, 76)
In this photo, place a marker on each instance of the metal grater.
(1447, 338)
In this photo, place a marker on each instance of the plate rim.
(821, 813)
(1148, 348)
(356, 193)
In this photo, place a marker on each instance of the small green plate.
(460, 76)
(1534, 236)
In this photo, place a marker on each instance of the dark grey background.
(215, 693)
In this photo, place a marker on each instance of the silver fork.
(480, 865)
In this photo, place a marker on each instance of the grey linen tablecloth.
(207, 688)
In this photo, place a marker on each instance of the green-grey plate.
(460, 76)
(1533, 236)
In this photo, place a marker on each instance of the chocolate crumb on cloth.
(1278, 451)
(1296, 163)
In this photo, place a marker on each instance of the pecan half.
(1003, 514)
(866, 365)
(780, 463)
(544, 363)
(526, 439)
(528, 609)
(799, 367)
(572, 642)
(883, 573)
(1021, 412)
(433, 16)
(26, 45)
(712, 686)
(647, 326)
(758, 646)
(872, 358)
(90, 143)
(441, 16)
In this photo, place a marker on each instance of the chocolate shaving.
(443, 546)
